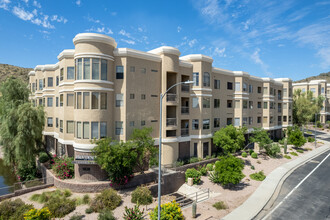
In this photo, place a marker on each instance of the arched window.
(206, 79)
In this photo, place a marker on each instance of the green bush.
(310, 139)
(228, 170)
(202, 170)
(63, 168)
(281, 141)
(194, 160)
(251, 151)
(141, 196)
(169, 210)
(27, 171)
(294, 153)
(133, 213)
(179, 163)
(244, 154)
(229, 138)
(272, 150)
(43, 157)
(60, 207)
(209, 167)
(252, 167)
(106, 214)
(194, 174)
(76, 217)
(89, 210)
(220, 205)
(86, 199)
(13, 209)
(259, 176)
(300, 151)
(45, 196)
(318, 124)
(295, 136)
(108, 198)
(287, 157)
(254, 155)
(38, 214)
(208, 157)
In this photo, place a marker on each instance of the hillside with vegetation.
(7, 70)
(325, 76)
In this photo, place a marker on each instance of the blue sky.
(264, 38)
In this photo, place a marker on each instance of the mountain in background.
(7, 70)
(325, 76)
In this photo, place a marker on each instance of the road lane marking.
(287, 196)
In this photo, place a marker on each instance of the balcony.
(184, 110)
(170, 97)
(184, 131)
(185, 88)
(170, 121)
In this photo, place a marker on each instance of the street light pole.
(160, 142)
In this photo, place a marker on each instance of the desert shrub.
(89, 210)
(281, 141)
(86, 199)
(194, 174)
(294, 153)
(287, 157)
(108, 198)
(179, 163)
(83, 200)
(38, 214)
(208, 157)
(46, 196)
(260, 136)
(259, 176)
(209, 167)
(63, 168)
(76, 217)
(169, 210)
(142, 196)
(106, 214)
(27, 170)
(307, 148)
(254, 155)
(300, 151)
(252, 167)
(310, 139)
(244, 154)
(318, 124)
(194, 160)
(13, 209)
(133, 213)
(202, 170)
(295, 136)
(43, 157)
(228, 170)
(251, 151)
(258, 162)
(67, 193)
(272, 150)
(60, 207)
(220, 205)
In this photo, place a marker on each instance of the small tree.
(260, 136)
(295, 136)
(230, 139)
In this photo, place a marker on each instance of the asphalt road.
(308, 201)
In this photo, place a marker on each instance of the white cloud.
(179, 29)
(256, 58)
(324, 53)
(22, 14)
(59, 19)
(96, 21)
(36, 4)
(128, 41)
(78, 2)
(113, 13)
(4, 4)
(219, 52)
(28, 16)
(124, 33)
(192, 42)
(203, 48)
(100, 30)
(26, 1)
(140, 29)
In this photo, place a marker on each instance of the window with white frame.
(206, 124)
(195, 103)
(119, 128)
(195, 124)
(49, 122)
(69, 127)
(103, 129)
(119, 100)
(50, 102)
(206, 79)
(237, 122)
(95, 130)
(196, 79)
(86, 130)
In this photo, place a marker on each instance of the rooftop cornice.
(136, 53)
(68, 53)
(166, 50)
(197, 57)
(283, 79)
(31, 73)
(93, 37)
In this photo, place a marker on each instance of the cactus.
(285, 146)
(194, 207)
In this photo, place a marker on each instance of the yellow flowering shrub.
(37, 214)
(169, 211)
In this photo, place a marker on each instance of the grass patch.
(287, 157)
(220, 205)
(300, 151)
(307, 148)
(83, 200)
(258, 162)
(259, 176)
(46, 196)
(294, 153)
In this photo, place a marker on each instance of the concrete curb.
(258, 200)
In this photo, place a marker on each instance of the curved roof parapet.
(47, 67)
(93, 37)
(136, 53)
(31, 73)
(38, 67)
(197, 57)
(283, 79)
(166, 50)
(66, 54)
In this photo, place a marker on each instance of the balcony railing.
(185, 88)
(171, 97)
(184, 110)
(184, 131)
(170, 121)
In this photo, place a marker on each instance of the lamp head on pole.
(188, 82)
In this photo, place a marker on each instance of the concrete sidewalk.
(257, 201)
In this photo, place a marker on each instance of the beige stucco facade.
(98, 90)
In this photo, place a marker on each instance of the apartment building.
(98, 90)
(318, 87)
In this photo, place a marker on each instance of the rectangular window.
(244, 122)
(56, 101)
(132, 69)
(49, 102)
(104, 102)
(285, 105)
(237, 86)
(244, 104)
(265, 91)
(279, 118)
(78, 100)
(206, 79)
(284, 118)
(143, 70)
(131, 123)
(237, 122)
(195, 124)
(61, 74)
(229, 85)
(195, 149)
(216, 123)
(86, 100)
(265, 120)
(40, 102)
(229, 103)
(271, 120)
(61, 126)
(290, 118)
(78, 129)
(79, 69)
(259, 120)
(259, 104)
(265, 105)
(49, 122)
(104, 69)
(216, 84)
(271, 91)
(86, 130)
(40, 84)
(119, 128)
(250, 105)
(250, 88)
(206, 102)
(95, 130)
(103, 130)
(95, 100)
(87, 69)
(195, 103)
(285, 92)
(312, 90)
(131, 96)
(229, 121)
(237, 103)
(61, 100)
(143, 96)
(119, 100)
(96, 69)
(70, 72)
(119, 72)
(216, 103)
(143, 123)
(206, 124)
(57, 122)
(259, 89)
(196, 79)
(250, 120)
(244, 87)
(69, 99)
(44, 102)
(69, 127)
(50, 81)
(57, 80)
